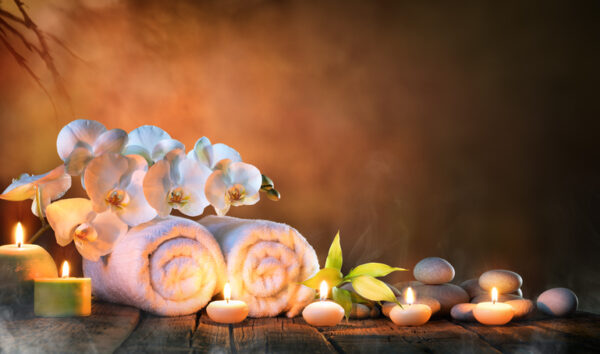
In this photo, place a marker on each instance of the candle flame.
(227, 292)
(410, 296)
(19, 234)
(65, 269)
(494, 295)
(323, 290)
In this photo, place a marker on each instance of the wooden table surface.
(122, 329)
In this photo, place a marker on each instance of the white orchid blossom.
(210, 155)
(82, 140)
(42, 189)
(234, 183)
(177, 182)
(93, 234)
(114, 183)
(151, 142)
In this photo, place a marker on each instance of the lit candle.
(227, 311)
(323, 313)
(410, 314)
(20, 263)
(493, 313)
(63, 297)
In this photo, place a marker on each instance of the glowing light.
(410, 296)
(65, 269)
(323, 290)
(494, 295)
(227, 292)
(19, 234)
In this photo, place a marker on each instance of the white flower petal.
(20, 189)
(222, 151)
(109, 228)
(203, 152)
(102, 175)
(215, 190)
(138, 210)
(138, 150)
(246, 175)
(65, 215)
(79, 158)
(147, 136)
(156, 187)
(113, 141)
(251, 200)
(83, 130)
(194, 176)
(135, 163)
(163, 147)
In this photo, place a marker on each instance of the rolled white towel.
(169, 267)
(266, 261)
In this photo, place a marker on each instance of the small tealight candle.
(410, 314)
(323, 313)
(63, 297)
(20, 263)
(227, 311)
(493, 313)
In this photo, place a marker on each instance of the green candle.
(20, 264)
(63, 297)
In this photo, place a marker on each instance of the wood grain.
(102, 332)
(156, 334)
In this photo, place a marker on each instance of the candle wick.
(19, 245)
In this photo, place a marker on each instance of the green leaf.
(334, 257)
(332, 276)
(373, 289)
(372, 269)
(357, 299)
(344, 299)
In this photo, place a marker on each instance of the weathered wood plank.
(102, 332)
(278, 335)
(211, 337)
(528, 337)
(583, 326)
(161, 334)
(381, 335)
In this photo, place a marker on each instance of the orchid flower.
(176, 182)
(82, 140)
(114, 183)
(210, 155)
(75, 220)
(151, 142)
(41, 188)
(234, 183)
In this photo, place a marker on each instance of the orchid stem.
(39, 233)
(38, 198)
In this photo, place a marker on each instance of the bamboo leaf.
(372, 289)
(344, 299)
(332, 276)
(373, 269)
(334, 257)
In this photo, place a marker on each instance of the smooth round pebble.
(522, 308)
(472, 287)
(433, 304)
(463, 312)
(501, 298)
(557, 302)
(503, 280)
(375, 312)
(434, 270)
(447, 295)
(360, 311)
(518, 292)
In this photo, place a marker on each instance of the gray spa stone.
(557, 302)
(360, 311)
(501, 298)
(434, 270)
(472, 287)
(463, 312)
(523, 308)
(504, 280)
(447, 295)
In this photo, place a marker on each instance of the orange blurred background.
(416, 129)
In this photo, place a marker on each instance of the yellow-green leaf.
(372, 269)
(332, 276)
(344, 299)
(372, 289)
(334, 257)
